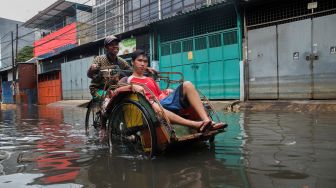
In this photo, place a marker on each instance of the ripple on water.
(26, 180)
(29, 138)
(287, 174)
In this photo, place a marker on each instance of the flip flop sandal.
(218, 126)
(205, 127)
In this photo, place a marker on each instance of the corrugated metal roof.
(55, 11)
(32, 60)
(6, 68)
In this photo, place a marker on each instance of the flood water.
(47, 147)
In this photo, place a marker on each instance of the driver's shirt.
(104, 63)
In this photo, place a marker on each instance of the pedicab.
(132, 122)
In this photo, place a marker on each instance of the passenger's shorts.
(175, 101)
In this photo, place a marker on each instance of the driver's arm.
(94, 67)
(123, 64)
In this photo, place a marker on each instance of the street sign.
(333, 50)
(312, 5)
(296, 56)
(190, 55)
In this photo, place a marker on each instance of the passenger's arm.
(138, 88)
(131, 87)
(168, 91)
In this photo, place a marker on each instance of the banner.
(127, 46)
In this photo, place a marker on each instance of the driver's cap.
(110, 39)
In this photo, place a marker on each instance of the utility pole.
(13, 66)
(0, 52)
(16, 85)
(13, 63)
(16, 48)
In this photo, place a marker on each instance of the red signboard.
(67, 36)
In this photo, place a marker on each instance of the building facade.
(199, 38)
(230, 49)
(63, 26)
(291, 50)
(13, 37)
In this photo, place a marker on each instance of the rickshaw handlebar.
(158, 76)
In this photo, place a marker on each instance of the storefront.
(205, 45)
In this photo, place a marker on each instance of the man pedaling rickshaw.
(106, 62)
(173, 101)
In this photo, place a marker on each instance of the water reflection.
(191, 165)
(58, 148)
(290, 146)
(39, 141)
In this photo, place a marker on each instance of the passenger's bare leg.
(190, 92)
(173, 118)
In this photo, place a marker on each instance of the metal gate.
(324, 67)
(262, 64)
(75, 83)
(295, 60)
(294, 41)
(206, 47)
(7, 92)
(49, 87)
(210, 61)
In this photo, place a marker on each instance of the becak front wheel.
(93, 118)
(132, 127)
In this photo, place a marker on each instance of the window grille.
(165, 49)
(278, 12)
(215, 41)
(187, 45)
(230, 38)
(176, 47)
(200, 43)
(203, 23)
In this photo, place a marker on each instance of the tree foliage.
(25, 54)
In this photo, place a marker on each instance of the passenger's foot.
(218, 126)
(205, 127)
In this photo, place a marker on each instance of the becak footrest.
(196, 137)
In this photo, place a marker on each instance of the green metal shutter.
(213, 42)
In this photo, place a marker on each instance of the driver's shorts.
(97, 94)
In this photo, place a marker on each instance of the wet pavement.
(47, 147)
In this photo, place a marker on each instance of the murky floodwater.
(48, 147)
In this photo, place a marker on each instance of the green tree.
(25, 54)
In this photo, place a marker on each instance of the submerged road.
(46, 146)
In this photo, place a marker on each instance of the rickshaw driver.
(104, 62)
(172, 101)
